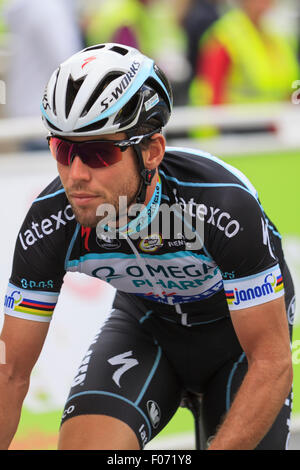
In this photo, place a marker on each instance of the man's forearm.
(255, 407)
(12, 394)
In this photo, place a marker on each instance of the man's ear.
(154, 154)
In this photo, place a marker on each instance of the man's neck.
(125, 220)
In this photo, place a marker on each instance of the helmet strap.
(146, 176)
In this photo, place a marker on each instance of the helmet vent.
(128, 112)
(72, 90)
(54, 93)
(52, 125)
(119, 50)
(98, 90)
(93, 127)
(94, 48)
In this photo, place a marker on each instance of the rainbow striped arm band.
(29, 304)
(254, 290)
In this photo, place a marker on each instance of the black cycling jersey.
(201, 248)
(222, 253)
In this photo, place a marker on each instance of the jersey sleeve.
(38, 263)
(242, 245)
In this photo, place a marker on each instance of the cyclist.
(204, 297)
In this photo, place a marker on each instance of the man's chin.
(85, 219)
(91, 221)
(86, 222)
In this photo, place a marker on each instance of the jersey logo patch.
(108, 243)
(154, 413)
(88, 60)
(151, 243)
(251, 291)
(126, 362)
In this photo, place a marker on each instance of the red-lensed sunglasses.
(94, 153)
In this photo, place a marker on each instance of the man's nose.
(79, 170)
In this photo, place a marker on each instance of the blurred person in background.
(153, 26)
(43, 34)
(241, 60)
(199, 17)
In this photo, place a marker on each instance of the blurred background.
(234, 68)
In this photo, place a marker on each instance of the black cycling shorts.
(139, 365)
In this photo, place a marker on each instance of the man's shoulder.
(194, 166)
(49, 221)
(191, 160)
(51, 200)
(188, 163)
(53, 191)
(48, 213)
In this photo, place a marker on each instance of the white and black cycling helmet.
(105, 89)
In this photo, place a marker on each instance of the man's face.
(86, 188)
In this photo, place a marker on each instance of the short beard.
(85, 220)
(90, 219)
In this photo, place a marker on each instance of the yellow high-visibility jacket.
(263, 65)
